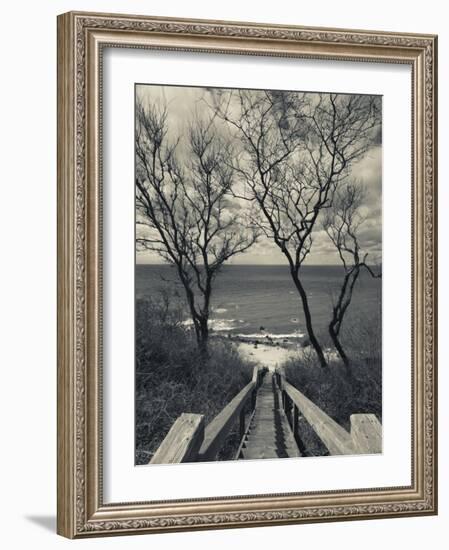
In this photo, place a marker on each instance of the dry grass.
(336, 393)
(172, 378)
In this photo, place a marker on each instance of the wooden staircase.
(269, 434)
(267, 410)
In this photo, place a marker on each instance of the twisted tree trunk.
(305, 304)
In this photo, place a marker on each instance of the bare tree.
(297, 149)
(186, 212)
(342, 223)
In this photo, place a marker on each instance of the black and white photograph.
(225, 328)
(258, 274)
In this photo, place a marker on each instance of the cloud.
(183, 102)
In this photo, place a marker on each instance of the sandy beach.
(265, 355)
(273, 356)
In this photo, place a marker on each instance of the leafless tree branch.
(297, 149)
(185, 204)
(341, 224)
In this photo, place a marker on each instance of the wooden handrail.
(216, 431)
(366, 431)
(336, 439)
(182, 442)
(257, 374)
(189, 441)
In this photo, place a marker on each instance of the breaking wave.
(232, 325)
(271, 336)
(217, 325)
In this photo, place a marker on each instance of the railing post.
(256, 377)
(366, 433)
(295, 420)
(280, 382)
(182, 442)
(284, 401)
(242, 424)
(290, 412)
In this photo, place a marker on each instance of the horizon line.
(251, 265)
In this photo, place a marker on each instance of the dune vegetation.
(173, 376)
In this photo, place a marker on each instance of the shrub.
(172, 377)
(336, 393)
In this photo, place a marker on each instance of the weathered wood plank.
(182, 442)
(217, 430)
(256, 375)
(337, 440)
(269, 434)
(366, 433)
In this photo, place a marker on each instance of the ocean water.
(252, 301)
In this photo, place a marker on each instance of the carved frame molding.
(81, 39)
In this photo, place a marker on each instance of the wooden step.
(269, 434)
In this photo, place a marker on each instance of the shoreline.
(264, 350)
(265, 354)
(269, 352)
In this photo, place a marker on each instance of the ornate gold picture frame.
(82, 41)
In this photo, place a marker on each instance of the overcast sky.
(182, 102)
